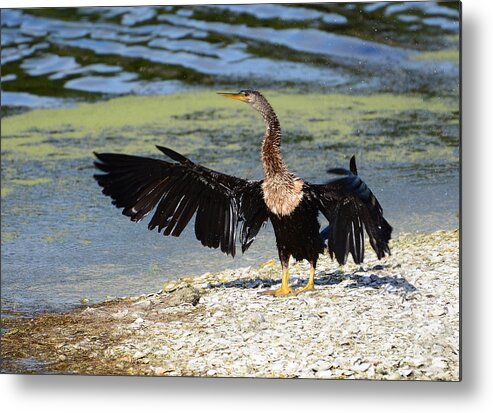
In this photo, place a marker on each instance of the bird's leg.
(310, 285)
(285, 289)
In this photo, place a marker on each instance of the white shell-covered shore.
(394, 319)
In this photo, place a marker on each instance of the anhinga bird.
(227, 208)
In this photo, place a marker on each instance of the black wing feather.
(351, 207)
(224, 205)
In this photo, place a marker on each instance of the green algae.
(30, 182)
(197, 121)
(9, 236)
(169, 111)
(13, 183)
(451, 55)
(57, 236)
(5, 191)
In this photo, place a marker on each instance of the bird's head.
(252, 97)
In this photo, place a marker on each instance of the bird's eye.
(246, 93)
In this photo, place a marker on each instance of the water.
(380, 80)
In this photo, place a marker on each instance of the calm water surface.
(61, 239)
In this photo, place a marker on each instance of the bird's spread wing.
(225, 206)
(351, 208)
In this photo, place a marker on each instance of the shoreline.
(393, 319)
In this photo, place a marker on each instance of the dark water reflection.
(66, 52)
(61, 241)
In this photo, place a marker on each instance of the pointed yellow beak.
(236, 96)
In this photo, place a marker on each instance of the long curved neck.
(271, 145)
